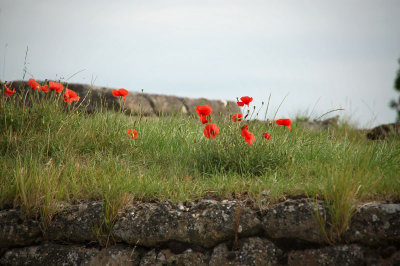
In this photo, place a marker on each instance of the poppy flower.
(33, 84)
(8, 92)
(267, 135)
(204, 111)
(248, 136)
(70, 96)
(237, 117)
(241, 104)
(284, 122)
(132, 133)
(58, 87)
(45, 88)
(120, 93)
(245, 100)
(211, 131)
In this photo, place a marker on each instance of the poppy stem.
(279, 106)
(266, 111)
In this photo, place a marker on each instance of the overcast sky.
(322, 54)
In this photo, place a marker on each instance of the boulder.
(118, 255)
(294, 219)
(320, 124)
(250, 251)
(49, 254)
(76, 223)
(335, 255)
(16, 230)
(375, 224)
(205, 223)
(384, 131)
(166, 105)
(166, 257)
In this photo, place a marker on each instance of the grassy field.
(51, 152)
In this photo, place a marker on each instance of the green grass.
(51, 152)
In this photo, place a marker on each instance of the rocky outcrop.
(95, 98)
(17, 230)
(384, 131)
(76, 223)
(250, 251)
(205, 232)
(204, 224)
(294, 219)
(375, 224)
(318, 124)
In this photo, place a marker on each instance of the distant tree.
(396, 105)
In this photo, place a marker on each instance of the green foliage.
(396, 105)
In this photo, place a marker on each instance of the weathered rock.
(137, 103)
(335, 255)
(205, 223)
(16, 230)
(166, 257)
(294, 219)
(219, 107)
(394, 259)
(166, 105)
(251, 251)
(375, 224)
(76, 223)
(384, 131)
(118, 255)
(49, 254)
(320, 124)
(94, 98)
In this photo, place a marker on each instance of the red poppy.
(245, 100)
(8, 92)
(204, 111)
(241, 104)
(248, 136)
(211, 130)
(120, 93)
(70, 96)
(58, 87)
(33, 84)
(132, 133)
(267, 135)
(284, 122)
(45, 88)
(237, 117)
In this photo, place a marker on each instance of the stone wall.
(95, 97)
(201, 233)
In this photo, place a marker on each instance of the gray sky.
(327, 54)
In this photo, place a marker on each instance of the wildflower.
(248, 136)
(204, 111)
(267, 135)
(58, 87)
(132, 133)
(33, 84)
(8, 92)
(70, 96)
(284, 122)
(237, 117)
(211, 130)
(245, 100)
(241, 104)
(120, 93)
(45, 88)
